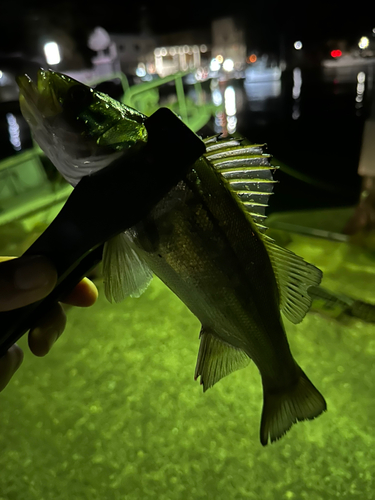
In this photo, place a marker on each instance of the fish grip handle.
(102, 205)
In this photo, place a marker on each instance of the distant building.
(170, 60)
(133, 50)
(228, 40)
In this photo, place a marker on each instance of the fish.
(206, 240)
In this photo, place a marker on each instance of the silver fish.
(205, 240)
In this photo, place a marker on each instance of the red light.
(336, 53)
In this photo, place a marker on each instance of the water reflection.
(361, 78)
(225, 119)
(13, 131)
(263, 81)
(258, 93)
(230, 109)
(296, 93)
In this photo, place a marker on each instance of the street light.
(52, 53)
(363, 43)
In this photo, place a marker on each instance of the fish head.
(80, 129)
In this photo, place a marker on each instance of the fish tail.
(283, 408)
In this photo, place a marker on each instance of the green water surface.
(113, 412)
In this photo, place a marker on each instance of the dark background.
(324, 143)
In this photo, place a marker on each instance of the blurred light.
(214, 65)
(220, 58)
(1, 74)
(217, 98)
(336, 53)
(14, 131)
(172, 51)
(296, 114)
(297, 83)
(228, 65)
(360, 88)
(157, 52)
(220, 122)
(151, 68)
(298, 45)
(361, 77)
(203, 48)
(163, 51)
(195, 49)
(363, 43)
(186, 49)
(201, 73)
(231, 124)
(141, 70)
(373, 30)
(230, 101)
(52, 53)
(253, 58)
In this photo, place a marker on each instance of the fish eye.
(78, 96)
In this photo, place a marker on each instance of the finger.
(9, 364)
(83, 295)
(47, 331)
(25, 280)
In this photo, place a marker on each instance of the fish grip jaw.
(127, 189)
(165, 129)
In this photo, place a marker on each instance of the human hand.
(25, 280)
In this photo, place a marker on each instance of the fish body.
(205, 241)
(199, 242)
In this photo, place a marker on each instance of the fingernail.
(33, 272)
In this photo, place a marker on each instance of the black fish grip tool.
(105, 204)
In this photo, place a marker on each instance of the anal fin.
(216, 359)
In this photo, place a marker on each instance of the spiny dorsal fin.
(217, 359)
(247, 170)
(125, 274)
(294, 276)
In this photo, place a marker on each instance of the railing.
(145, 98)
(24, 188)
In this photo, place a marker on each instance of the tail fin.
(281, 410)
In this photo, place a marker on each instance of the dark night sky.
(264, 20)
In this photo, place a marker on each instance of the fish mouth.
(38, 99)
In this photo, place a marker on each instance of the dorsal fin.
(247, 170)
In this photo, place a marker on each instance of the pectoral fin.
(294, 276)
(125, 274)
(216, 359)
